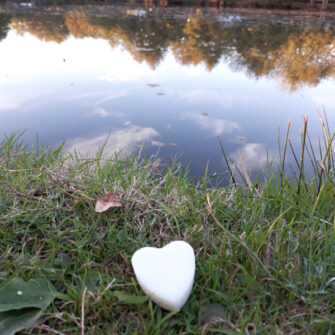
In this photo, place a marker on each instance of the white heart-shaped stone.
(166, 275)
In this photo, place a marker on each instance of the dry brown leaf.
(323, 166)
(107, 201)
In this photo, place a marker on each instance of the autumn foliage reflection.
(297, 54)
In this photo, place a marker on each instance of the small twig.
(284, 153)
(227, 163)
(233, 237)
(106, 289)
(244, 169)
(301, 167)
(268, 250)
(216, 320)
(11, 216)
(73, 318)
(82, 325)
(50, 330)
(203, 332)
(85, 196)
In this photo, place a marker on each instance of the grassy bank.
(265, 256)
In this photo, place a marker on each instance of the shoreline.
(264, 254)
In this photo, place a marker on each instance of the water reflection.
(122, 142)
(254, 156)
(213, 125)
(296, 54)
(164, 77)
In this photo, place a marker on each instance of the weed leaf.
(16, 320)
(107, 201)
(17, 294)
(130, 299)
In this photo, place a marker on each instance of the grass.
(264, 254)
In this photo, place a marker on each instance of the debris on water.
(204, 114)
(153, 85)
(26, 4)
(241, 138)
(160, 93)
(157, 143)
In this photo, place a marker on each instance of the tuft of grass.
(265, 254)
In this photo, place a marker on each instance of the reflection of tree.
(296, 54)
(306, 58)
(45, 27)
(4, 25)
(146, 39)
(79, 25)
(252, 44)
(201, 42)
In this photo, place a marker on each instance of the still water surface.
(171, 79)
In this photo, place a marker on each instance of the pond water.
(172, 79)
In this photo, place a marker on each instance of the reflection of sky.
(83, 90)
(123, 141)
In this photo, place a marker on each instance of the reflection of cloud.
(157, 143)
(254, 155)
(101, 112)
(122, 141)
(8, 102)
(127, 71)
(104, 113)
(13, 101)
(199, 95)
(324, 100)
(194, 71)
(100, 97)
(215, 126)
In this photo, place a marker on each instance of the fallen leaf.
(107, 201)
(124, 257)
(323, 166)
(209, 312)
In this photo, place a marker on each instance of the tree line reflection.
(297, 54)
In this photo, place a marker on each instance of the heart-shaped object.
(166, 275)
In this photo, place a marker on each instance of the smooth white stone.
(166, 275)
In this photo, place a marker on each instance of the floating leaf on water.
(107, 201)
